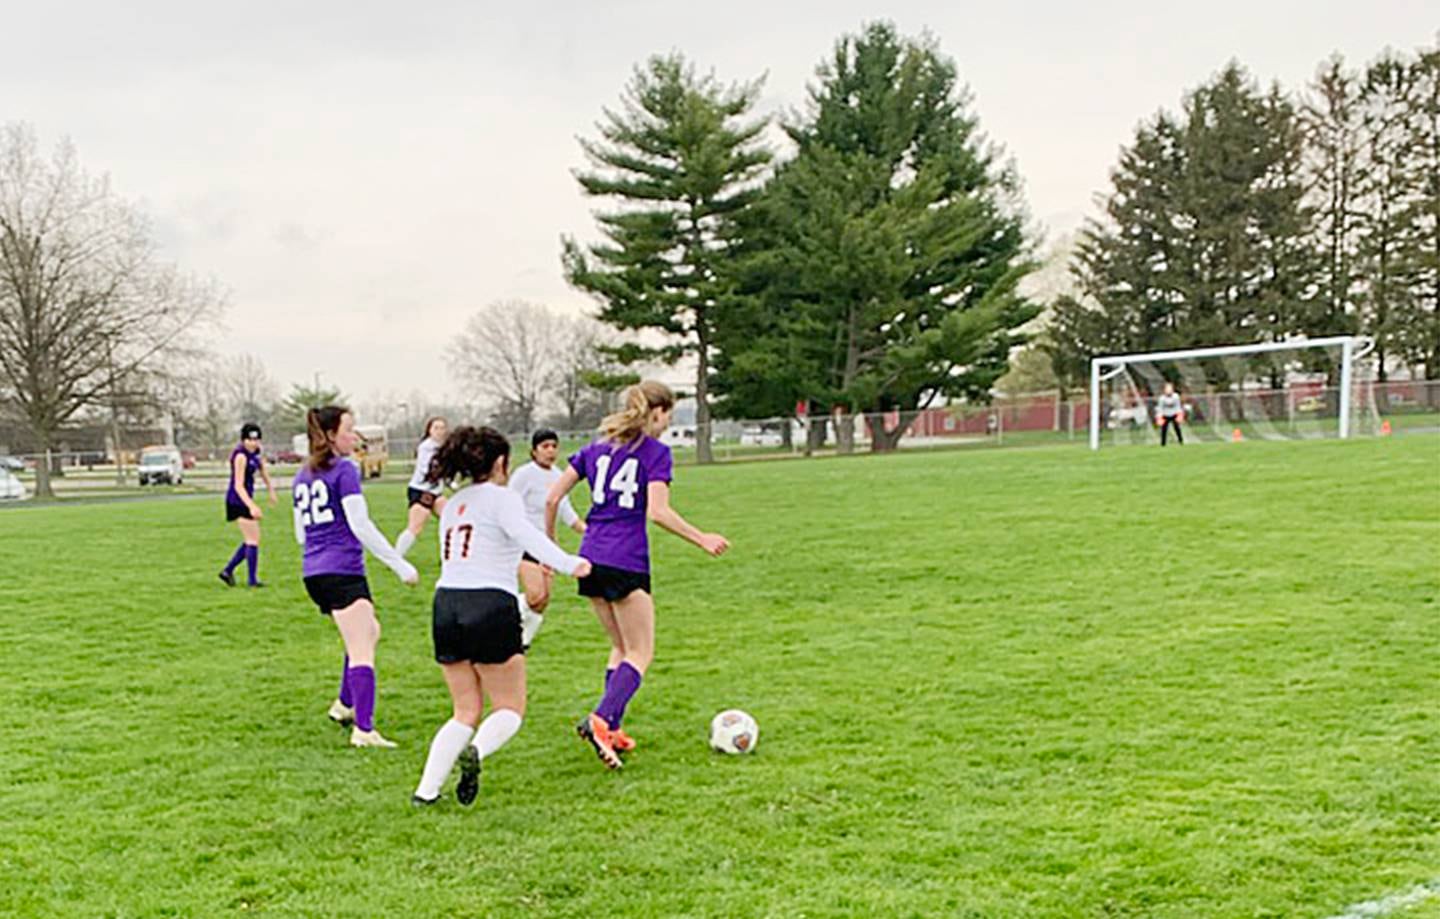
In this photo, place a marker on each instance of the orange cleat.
(597, 733)
(622, 742)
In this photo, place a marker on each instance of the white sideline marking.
(1395, 901)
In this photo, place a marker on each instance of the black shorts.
(613, 583)
(425, 499)
(479, 626)
(236, 512)
(336, 591)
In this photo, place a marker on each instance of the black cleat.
(417, 801)
(469, 784)
(256, 584)
(227, 578)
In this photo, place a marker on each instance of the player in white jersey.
(425, 497)
(476, 624)
(532, 482)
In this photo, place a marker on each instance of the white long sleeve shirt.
(1168, 406)
(483, 532)
(532, 483)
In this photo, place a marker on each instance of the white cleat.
(341, 714)
(359, 738)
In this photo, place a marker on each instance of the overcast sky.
(361, 175)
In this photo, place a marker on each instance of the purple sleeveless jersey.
(619, 476)
(330, 547)
(252, 466)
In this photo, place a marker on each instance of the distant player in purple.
(240, 506)
(333, 524)
(629, 475)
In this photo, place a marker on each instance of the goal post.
(1241, 381)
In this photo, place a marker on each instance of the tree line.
(873, 265)
(1255, 214)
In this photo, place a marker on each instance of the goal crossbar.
(1351, 347)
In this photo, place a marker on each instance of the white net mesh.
(1283, 394)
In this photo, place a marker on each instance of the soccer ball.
(734, 731)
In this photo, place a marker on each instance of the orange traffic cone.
(1385, 428)
(1236, 436)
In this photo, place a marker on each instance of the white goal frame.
(1352, 348)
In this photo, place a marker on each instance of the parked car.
(11, 488)
(289, 456)
(161, 465)
(12, 463)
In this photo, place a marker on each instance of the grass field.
(1200, 682)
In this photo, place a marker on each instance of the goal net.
(1302, 389)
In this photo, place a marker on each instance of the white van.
(161, 465)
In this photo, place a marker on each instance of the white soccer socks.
(497, 728)
(449, 741)
(404, 541)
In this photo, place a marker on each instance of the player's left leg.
(454, 735)
(250, 532)
(414, 526)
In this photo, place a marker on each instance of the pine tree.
(892, 241)
(1422, 343)
(681, 157)
(1335, 165)
(1205, 239)
(1387, 303)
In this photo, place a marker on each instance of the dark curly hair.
(470, 452)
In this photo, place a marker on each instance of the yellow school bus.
(373, 451)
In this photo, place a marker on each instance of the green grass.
(1030, 683)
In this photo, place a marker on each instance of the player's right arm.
(510, 513)
(558, 491)
(299, 518)
(237, 472)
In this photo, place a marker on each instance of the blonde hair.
(629, 423)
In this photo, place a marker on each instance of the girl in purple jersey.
(240, 506)
(629, 473)
(333, 525)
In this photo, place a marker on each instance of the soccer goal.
(1300, 389)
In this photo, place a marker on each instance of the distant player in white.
(532, 481)
(476, 624)
(426, 498)
(1169, 412)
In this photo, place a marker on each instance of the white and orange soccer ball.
(733, 731)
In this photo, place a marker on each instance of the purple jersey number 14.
(624, 482)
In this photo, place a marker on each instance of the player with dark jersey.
(629, 471)
(333, 525)
(246, 460)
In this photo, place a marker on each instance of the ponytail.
(467, 452)
(321, 425)
(629, 423)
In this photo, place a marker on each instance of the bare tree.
(85, 302)
(507, 354)
(252, 391)
(580, 363)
